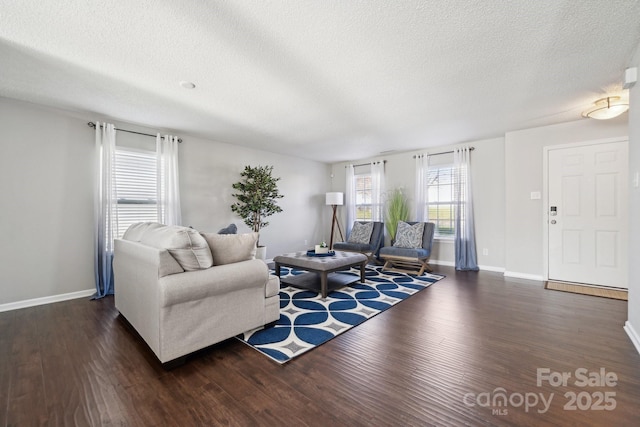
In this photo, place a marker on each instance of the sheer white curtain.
(377, 191)
(350, 197)
(465, 240)
(105, 209)
(168, 182)
(422, 171)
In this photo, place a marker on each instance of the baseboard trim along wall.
(525, 276)
(453, 264)
(491, 268)
(445, 263)
(46, 300)
(633, 335)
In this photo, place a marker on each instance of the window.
(135, 175)
(441, 199)
(365, 187)
(363, 197)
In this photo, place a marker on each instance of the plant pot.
(261, 253)
(321, 249)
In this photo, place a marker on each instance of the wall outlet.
(306, 242)
(485, 251)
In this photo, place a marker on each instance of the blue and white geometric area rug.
(306, 321)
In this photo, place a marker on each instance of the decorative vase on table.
(322, 248)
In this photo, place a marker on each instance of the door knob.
(553, 221)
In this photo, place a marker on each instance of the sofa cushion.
(409, 236)
(219, 282)
(404, 252)
(356, 247)
(361, 233)
(185, 244)
(230, 248)
(135, 231)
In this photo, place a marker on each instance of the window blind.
(363, 197)
(136, 186)
(441, 199)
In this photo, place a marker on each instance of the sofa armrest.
(216, 280)
(136, 270)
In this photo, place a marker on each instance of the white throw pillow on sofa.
(185, 244)
(230, 248)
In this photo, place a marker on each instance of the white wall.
(46, 190)
(46, 183)
(633, 323)
(208, 170)
(487, 166)
(505, 171)
(524, 174)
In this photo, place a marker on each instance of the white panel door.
(587, 215)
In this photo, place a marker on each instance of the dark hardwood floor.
(434, 359)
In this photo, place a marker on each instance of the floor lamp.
(334, 200)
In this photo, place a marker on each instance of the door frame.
(545, 191)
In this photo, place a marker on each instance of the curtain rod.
(367, 164)
(437, 154)
(93, 125)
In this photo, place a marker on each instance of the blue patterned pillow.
(361, 233)
(409, 236)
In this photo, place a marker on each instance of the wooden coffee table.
(323, 267)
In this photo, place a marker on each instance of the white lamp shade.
(334, 198)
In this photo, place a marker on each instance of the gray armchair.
(371, 249)
(410, 260)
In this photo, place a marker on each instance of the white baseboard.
(491, 268)
(438, 262)
(46, 300)
(453, 264)
(525, 276)
(633, 335)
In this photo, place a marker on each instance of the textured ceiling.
(324, 80)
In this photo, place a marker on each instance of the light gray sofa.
(183, 291)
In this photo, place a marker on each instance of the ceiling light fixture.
(607, 108)
(187, 85)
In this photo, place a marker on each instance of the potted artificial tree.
(397, 210)
(257, 193)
